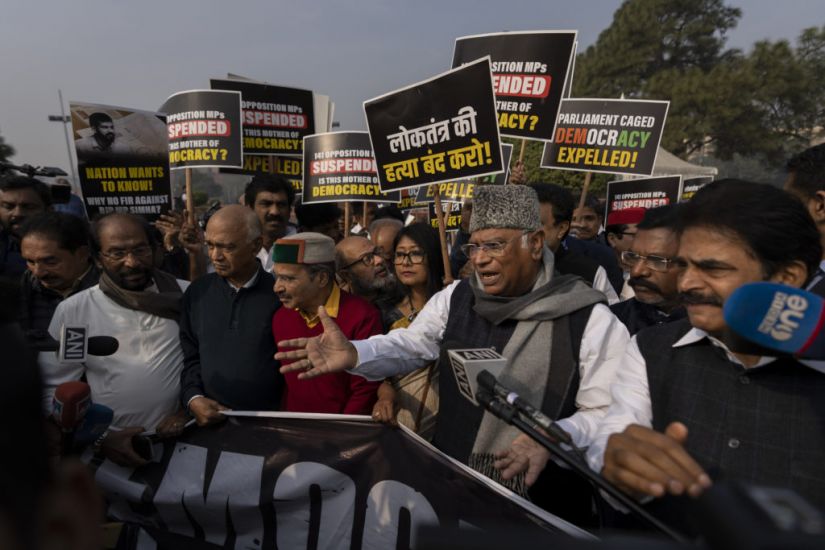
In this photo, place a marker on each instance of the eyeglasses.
(368, 259)
(415, 257)
(139, 253)
(494, 249)
(656, 263)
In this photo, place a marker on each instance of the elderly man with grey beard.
(364, 271)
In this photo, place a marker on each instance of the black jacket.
(227, 343)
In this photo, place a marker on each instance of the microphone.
(99, 346)
(70, 404)
(777, 318)
(97, 421)
(468, 363)
(496, 406)
(489, 382)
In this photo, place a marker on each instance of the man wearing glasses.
(561, 342)
(364, 271)
(653, 273)
(139, 306)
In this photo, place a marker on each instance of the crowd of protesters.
(612, 327)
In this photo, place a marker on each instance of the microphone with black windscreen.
(74, 346)
(489, 383)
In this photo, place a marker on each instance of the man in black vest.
(653, 273)
(806, 181)
(689, 407)
(561, 342)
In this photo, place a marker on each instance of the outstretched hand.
(330, 352)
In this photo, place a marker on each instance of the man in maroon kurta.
(304, 270)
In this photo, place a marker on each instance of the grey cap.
(505, 207)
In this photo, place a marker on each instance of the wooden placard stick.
(194, 258)
(442, 235)
(365, 222)
(585, 188)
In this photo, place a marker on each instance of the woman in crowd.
(412, 399)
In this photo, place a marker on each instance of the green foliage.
(6, 150)
(763, 104)
(200, 197)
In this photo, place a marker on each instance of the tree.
(6, 150)
(763, 104)
(651, 36)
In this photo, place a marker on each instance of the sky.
(137, 53)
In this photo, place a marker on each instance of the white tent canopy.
(668, 164)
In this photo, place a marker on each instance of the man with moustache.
(689, 407)
(653, 272)
(20, 198)
(304, 271)
(226, 326)
(364, 271)
(57, 253)
(271, 198)
(140, 307)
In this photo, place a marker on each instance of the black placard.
(275, 118)
(642, 193)
(613, 136)
(340, 167)
(442, 129)
(529, 74)
(204, 129)
(122, 159)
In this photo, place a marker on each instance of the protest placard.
(275, 118)
(409, 200)
(452, 215)
(442, 129)
(691, 185)
(459, 191)
(642, 193)
(529, 74)
(613, 136)
(204, 129)
(340, 167)
(289, 168)
(122, 159)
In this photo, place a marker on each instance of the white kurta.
(141, 381)
(602, 348)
